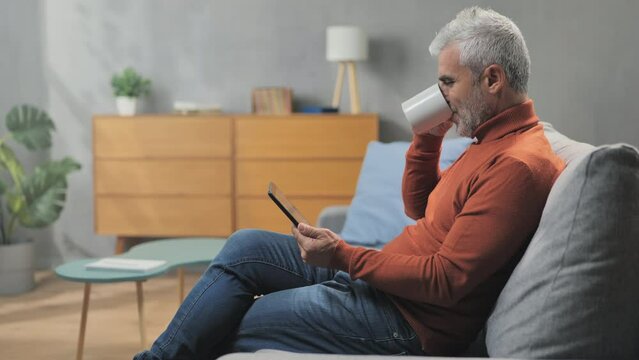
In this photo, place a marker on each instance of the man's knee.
(243, 236)
(242, 243)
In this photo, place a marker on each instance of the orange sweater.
(445, 272)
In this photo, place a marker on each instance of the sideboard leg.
(120, 245)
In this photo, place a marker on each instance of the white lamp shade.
(346, 43)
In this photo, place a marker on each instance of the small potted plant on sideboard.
(30, 200)
(128, 86)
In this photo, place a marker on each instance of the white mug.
(427, 109)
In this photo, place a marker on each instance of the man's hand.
(316, 245)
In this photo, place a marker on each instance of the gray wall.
(584, 66)
(22, 81)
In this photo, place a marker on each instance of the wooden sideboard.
(179, 176)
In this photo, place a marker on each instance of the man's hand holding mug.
(428, 112)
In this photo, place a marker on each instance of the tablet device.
(286, 206)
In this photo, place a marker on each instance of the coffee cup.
(426, 110)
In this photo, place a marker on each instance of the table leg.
(138, 287)
(83, 320)
(180, 272)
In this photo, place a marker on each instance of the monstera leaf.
(30, 126)
(60, 168)
(9, 161)
(43, 194)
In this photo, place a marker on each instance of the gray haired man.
(430, 290)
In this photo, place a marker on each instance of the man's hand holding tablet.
(317, 245)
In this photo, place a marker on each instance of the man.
(430, 290)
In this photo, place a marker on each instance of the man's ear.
(495, 78)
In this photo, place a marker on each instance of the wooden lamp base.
(352, 86)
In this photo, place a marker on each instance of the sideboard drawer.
(264, 214)
(294, 177)
(300, 137)
(161, 137)
(166, 177)
(163, 216)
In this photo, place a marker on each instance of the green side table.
(178, 253)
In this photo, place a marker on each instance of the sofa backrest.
(573, 294)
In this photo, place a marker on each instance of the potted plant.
(128, 86)
(30, 200)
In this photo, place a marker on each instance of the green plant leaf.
(42, 201)
(9, 161)
(59, 168)
(43, 194)
(30, 126)
(130, 83)
(15, 202)
(3, 188)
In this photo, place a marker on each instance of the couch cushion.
(376, 214)
(574, 293)
(567, 149)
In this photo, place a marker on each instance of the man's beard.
(472, 113)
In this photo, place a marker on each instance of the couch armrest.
(333, 218)
(283, 355)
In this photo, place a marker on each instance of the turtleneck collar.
(510, 120)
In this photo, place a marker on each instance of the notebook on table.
(122, 264)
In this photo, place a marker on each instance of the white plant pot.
(126, 105)
(16, 268)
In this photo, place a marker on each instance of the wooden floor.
(44, 323)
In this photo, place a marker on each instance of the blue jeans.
(304, 308)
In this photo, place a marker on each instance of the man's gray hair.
(486, 37)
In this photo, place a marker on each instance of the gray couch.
(574, 293)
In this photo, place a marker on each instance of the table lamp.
(346, 44)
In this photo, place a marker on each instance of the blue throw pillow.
(376, 214)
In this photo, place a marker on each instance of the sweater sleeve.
(498, 218)
(421, 173)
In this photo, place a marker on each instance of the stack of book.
(272, 100)
(191, 108)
